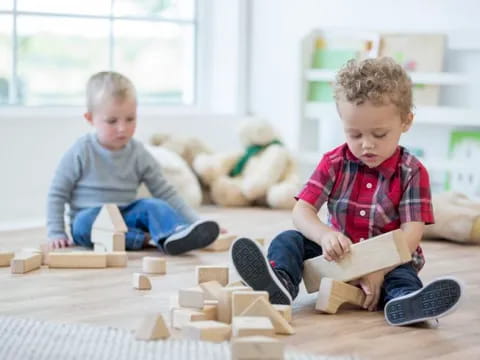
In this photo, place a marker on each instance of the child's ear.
(88, 117)
(407, 122)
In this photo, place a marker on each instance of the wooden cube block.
(263, 308)
(107, 241)
(377, 253)
(152, 327)
(77, 259)
(224, 310)
(257, 347)
(333, 294)
(209, 273)
(222, 243)
(154, 265)
(117, 259)
(5, 258)
(209, 330)
(25, 262)
(191, 297)
(141, 282)
(243, 299)
(252, 326)
(284, 310)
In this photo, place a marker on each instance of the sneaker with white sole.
(195, 236)
(254, 269)
(436, 299)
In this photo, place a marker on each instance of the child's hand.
(371, 285)
(60, 243)
(335, 245)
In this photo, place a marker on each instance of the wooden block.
(109, 218)
(141, 282)
(154, 265)
(209, 273)
(211, 289)
(334, 293)
(191, 297)
(25, 262)
(257, 347)
(222, 243)
(252, 326)
(285, 311)
(260, 241)
(243, 299)
(5, 258)
(152, 327)
(77, 259)
(117, 259)
(236, 283)
(224, 310)
(263, 308)
(209, 330)
(107, 241)
(377, 253)
(181, 317)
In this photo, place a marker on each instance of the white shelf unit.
(320, 125)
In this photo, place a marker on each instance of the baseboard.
(21, 224)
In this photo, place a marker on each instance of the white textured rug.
(32, 339)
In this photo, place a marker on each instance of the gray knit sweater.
(90, 175)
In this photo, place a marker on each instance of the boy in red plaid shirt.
(371, 186)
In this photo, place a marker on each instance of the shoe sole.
(196, 236)
(435, 300)
(254, 270)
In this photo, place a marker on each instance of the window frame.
(200, 76)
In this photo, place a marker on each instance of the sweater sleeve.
(66, 176)
(160, 188)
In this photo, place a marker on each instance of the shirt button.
(362, 212)
(369, 185)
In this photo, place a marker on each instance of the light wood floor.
(106, 297)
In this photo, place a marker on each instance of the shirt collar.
(386, 168)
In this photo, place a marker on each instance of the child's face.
(372, 132)
(115, 122)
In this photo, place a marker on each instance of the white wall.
(278, 27)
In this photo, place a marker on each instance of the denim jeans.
(142, 216)
(290, 249)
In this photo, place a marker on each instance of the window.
(49, 48)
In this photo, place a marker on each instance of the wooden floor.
(106, 297)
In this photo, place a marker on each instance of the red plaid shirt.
(364, 202)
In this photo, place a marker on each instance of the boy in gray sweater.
(107, 167)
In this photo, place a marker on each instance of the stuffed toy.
(264, 174)
(457, 218)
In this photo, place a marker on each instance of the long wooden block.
(263, 308)
(180, 317)
(222, 243)
(25, 262)
(257, 347)
(285, 311)
(77, 260)
(334, 293)
(117, 259)
(252, 326)
(5, 258)
(208, 273)
(208, 330)
(191, 297)
(367, 256)
(109, 218)
(152, 327)
(108, 241)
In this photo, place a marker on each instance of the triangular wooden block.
(110, 218)
(263, 308)
(152, 327)
(141, 282)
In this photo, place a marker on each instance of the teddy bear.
(263, 174)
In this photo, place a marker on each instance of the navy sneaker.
(195, 236)
(436, 299)
(254, 269)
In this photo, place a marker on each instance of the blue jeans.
(290, 249)
(142, 216)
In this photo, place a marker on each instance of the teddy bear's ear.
(159, 139)
(256, 131)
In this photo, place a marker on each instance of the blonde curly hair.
(380, 80)
(107, 85)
